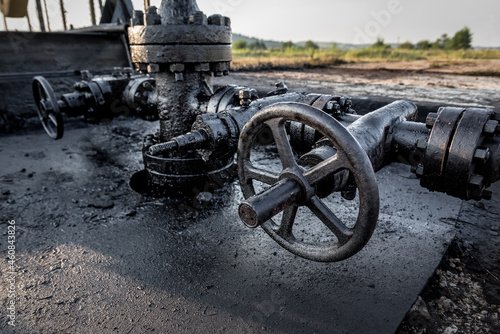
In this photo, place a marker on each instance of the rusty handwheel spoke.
(286, 226)
(342, 162)
(261, 175)
(327, 217)
(327, 167)
(47, 108)
(285, 151)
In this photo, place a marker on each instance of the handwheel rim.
(362, 171)
(51, 119)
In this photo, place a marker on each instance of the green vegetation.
(442, 52)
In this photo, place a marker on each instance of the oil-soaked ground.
(93, 256)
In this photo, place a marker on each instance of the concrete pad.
(147, 265)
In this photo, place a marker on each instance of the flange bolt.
(491, 127)
(482, 154)
(431, 120)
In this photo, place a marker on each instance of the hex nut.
(476, 181)
(198, 18)
(202, 67)
(332, 106)
(490, 127)
(431, 120)
(137, 19)
(420, 171)
(176, 68)
(216, 20)
(153, 68)
(179, 76)
(422, 144)
(86, 75)
(482, 154)
(487, 195)
(128, 71)
(245, 94)
(151, 18)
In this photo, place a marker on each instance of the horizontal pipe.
(373, 130)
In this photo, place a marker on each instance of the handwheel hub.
(306, 190)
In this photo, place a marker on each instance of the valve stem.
(163, 147)
(190, 140)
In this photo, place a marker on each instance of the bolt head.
(216, 20)
(198, 18)
(332, 106)
(487, 195)
(153, 68)
(476, 181)
(422, 144)
(482, 154)
(490, 127)
(420, 171)
(245, 94)
(137, 19)
(179, 76)
(86, 75)
(202, 67)
(178, 67)
(431, 120)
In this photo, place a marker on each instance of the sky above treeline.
(342, 21)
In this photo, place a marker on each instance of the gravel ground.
(463, 296)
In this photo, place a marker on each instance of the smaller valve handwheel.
(295, 186)
(48, 108)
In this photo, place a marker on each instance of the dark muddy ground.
(92, 256)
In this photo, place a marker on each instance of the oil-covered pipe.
(374, 131)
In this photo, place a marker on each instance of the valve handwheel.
(48, 108)
(295, 186)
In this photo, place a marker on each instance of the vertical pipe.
(5, 23)
(100, 6)
(147, 4)
(92, 12)
(40, 15)
(63, 14)
(29, 21)
(47, 14)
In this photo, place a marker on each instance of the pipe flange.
(436, 151)
(461, 163)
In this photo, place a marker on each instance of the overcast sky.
(343, 21)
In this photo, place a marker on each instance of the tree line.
(461, 40)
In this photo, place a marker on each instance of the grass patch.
(290, 58)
